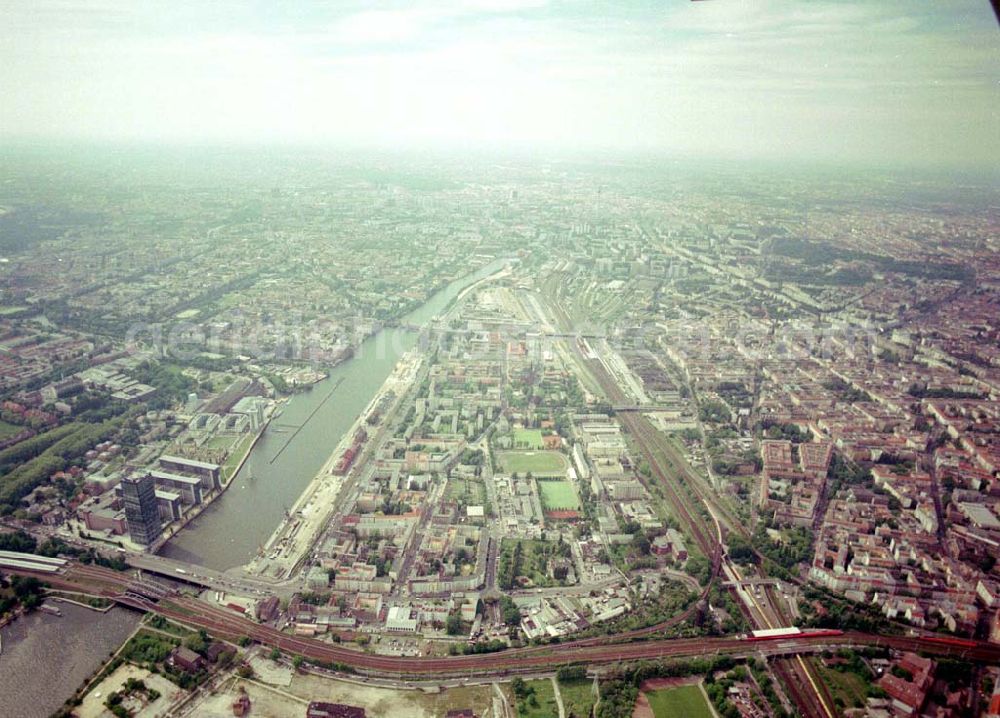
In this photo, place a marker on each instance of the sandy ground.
(93, 702)
(264, 701)
(267, 671)
(386, 702)
(279, 702)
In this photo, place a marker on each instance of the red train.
(793, 632)
(815, 632)
(947, 640)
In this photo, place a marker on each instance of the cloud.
(378, 27)
(882, 81)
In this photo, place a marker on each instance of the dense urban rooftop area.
(609, 405)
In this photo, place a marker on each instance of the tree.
(700, 568)
(571, 673)
(520, 688)
(17, 541)
(641, 544)
(509, 610)
(197, 642)
(740, 550)
(28, 591)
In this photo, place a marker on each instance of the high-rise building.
(142, 515)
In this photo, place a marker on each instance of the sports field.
(686, 701)
(558, 495)
(528, 439)
(539, 463)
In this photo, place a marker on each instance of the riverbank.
(56, 595)
(309, 517)
(276, 412)
(233, 530)
(196, 511)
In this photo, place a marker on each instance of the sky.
(909, 82)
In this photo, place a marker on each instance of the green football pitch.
(539, 463)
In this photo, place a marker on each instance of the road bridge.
(753, 582)
(230, 581)
(643, 407)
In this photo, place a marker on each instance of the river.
(230, 531)
(46, 658)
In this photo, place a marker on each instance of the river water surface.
(46, 658)
(230, 531)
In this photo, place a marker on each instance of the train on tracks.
(774, 634)
(949, 641)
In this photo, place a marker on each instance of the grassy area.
(7, 430)
(146, 648)
(540, 701)
(236, 455)
(471, 493)
(687, 701)
(221, 442)
(578, 697)
(528, 439)
(558, 495)
(538, 463)
(162, 624)
(848, 689)
(531, 561)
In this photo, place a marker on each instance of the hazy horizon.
(896, 83)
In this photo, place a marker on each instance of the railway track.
(226, 624)
(645, 436)
(800, 689)
(806, 691)
(650, 444)
(235, 626)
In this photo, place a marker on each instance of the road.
(209, 578)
